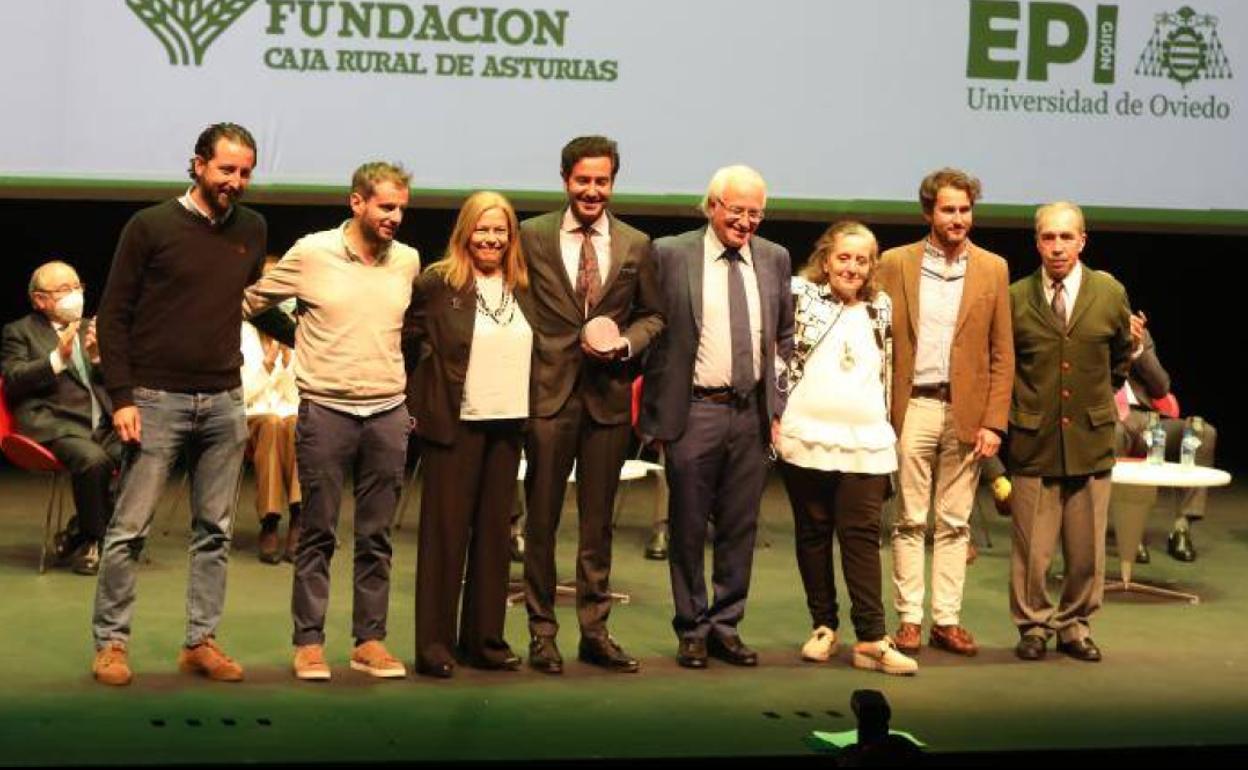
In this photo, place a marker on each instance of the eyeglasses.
(737, 212)
(64, 288)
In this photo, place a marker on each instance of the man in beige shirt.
(953, 364)
(353, 285)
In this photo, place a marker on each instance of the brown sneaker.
(909, 638)
(111, 665)
(310, 663)
(372, 658)
(955, 639)
(207, 659)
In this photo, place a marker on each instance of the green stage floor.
(1173, 675)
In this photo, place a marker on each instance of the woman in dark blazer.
(468, 332)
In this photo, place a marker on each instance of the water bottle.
(1192, 435)
(1155, 437)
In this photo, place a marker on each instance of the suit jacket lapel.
(1041, 306)
(694, 263)
(551, 258)
(1084, 300)
(910, 268)
(970, 285)
(619, 253)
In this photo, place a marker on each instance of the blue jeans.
(212, 429)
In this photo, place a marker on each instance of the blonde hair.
(456, 264)
(813, 270)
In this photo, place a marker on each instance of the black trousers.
(847, 505)
(92, 463)
(466, 498)
(553, 444)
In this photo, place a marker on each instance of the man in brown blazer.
(1072, 330)
(583, 264)
(953, 364)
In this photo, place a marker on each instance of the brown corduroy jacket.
(981, 371)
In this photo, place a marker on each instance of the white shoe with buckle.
(821, 645)
(883, 656)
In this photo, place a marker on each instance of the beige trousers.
(271, 446)
(1074, 510)
(936, 473)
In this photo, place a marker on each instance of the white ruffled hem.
(830, 457)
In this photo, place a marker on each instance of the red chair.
(30, 455)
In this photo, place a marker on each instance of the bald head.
(50, 282)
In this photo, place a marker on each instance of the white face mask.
(69, 307)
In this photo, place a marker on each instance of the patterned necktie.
(739, 325)
(1059, 303)
(588, 278)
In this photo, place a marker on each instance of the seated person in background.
(272, 403)
(1146, 382)
(58, 399)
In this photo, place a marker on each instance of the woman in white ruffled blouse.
(835, 444)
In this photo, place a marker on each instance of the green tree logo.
(1184, 47)
(187, 27)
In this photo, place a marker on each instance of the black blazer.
(47, 406)
(437, 339)
(630, 298)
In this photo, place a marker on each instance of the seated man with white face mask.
(56, 392)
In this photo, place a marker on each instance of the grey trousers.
(1047, 510)
(327, 444)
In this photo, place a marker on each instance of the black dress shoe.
(691, 653)
(1179, 545)
(656, 549)
(544, 655)
(507, 661)
(1081, 649)
(1030, 647)
(436, 670)
(1142, 556)
(731, 649)
(607, 654)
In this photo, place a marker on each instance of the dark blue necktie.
(739, 324)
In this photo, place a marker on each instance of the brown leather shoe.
(909, 638)
(955, 639)
(207, 659)
(111, 666)
(270, 541)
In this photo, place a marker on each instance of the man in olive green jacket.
(1072, 346)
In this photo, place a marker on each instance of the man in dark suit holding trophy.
(596, 310)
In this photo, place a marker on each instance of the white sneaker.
(883, 656)
(821, 645)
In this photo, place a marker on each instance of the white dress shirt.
(713, 367)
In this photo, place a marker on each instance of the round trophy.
(601, 334)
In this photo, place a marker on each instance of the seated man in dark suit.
(1147, 382)
(57, 396)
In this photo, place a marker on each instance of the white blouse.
(497, 384)
(836, 419)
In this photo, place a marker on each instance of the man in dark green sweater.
(169, 340)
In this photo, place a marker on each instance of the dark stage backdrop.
(1191, 286)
